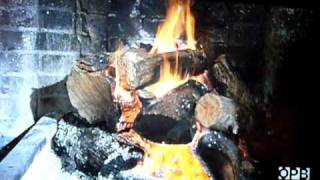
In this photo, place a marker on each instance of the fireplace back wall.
(40, 40)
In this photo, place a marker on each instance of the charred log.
(137, 68)
(90, 149)
(216, 112)
(170, 117)
(178, 104)
(220, 155)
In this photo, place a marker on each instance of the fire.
(175, 161)
(172, 162)
(179, 22)
(169, 161)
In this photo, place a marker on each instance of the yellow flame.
(178, 22)
(172, 162)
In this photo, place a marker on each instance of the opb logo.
(287, 173)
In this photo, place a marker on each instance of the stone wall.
(38, 46)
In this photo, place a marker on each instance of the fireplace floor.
(47, 165)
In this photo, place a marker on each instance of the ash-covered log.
(217, 112)
(91, 149)
(169, 118)
(137, 68)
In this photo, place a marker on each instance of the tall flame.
(179, 23)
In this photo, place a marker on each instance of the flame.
(178, 22)
(172, 162)
(169, 161)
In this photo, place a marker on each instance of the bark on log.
(160, 117)
(51, 101)
(178, 104)
(91, 95)
(137, 68)
(228, 84)
(216, 112)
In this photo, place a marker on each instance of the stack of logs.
(170, 119)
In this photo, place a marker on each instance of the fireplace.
(152, 89)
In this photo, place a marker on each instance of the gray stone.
(56, 20)
(57, 3)
(56, 64)
(57, 42)
(26, 17)
(14, 3)
(11, 40)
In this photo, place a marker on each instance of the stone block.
(14, 3)
(11, 40)
(26, 17)
(56, 42)
(56, 64)
(56, 20)
(69, 4)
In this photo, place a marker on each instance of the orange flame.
(178, 22)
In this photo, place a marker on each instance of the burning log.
(166, 118)
(137, 68)
(216, 112)
(90, 94)
(220, 155)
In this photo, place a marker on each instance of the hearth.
(175, 89)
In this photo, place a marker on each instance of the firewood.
(220, 154)
(87, 149)
(216, 112)
(137, 68)
(91, 95)
(161, 117)
(229, 84)
(51, 101)
(179, 103)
